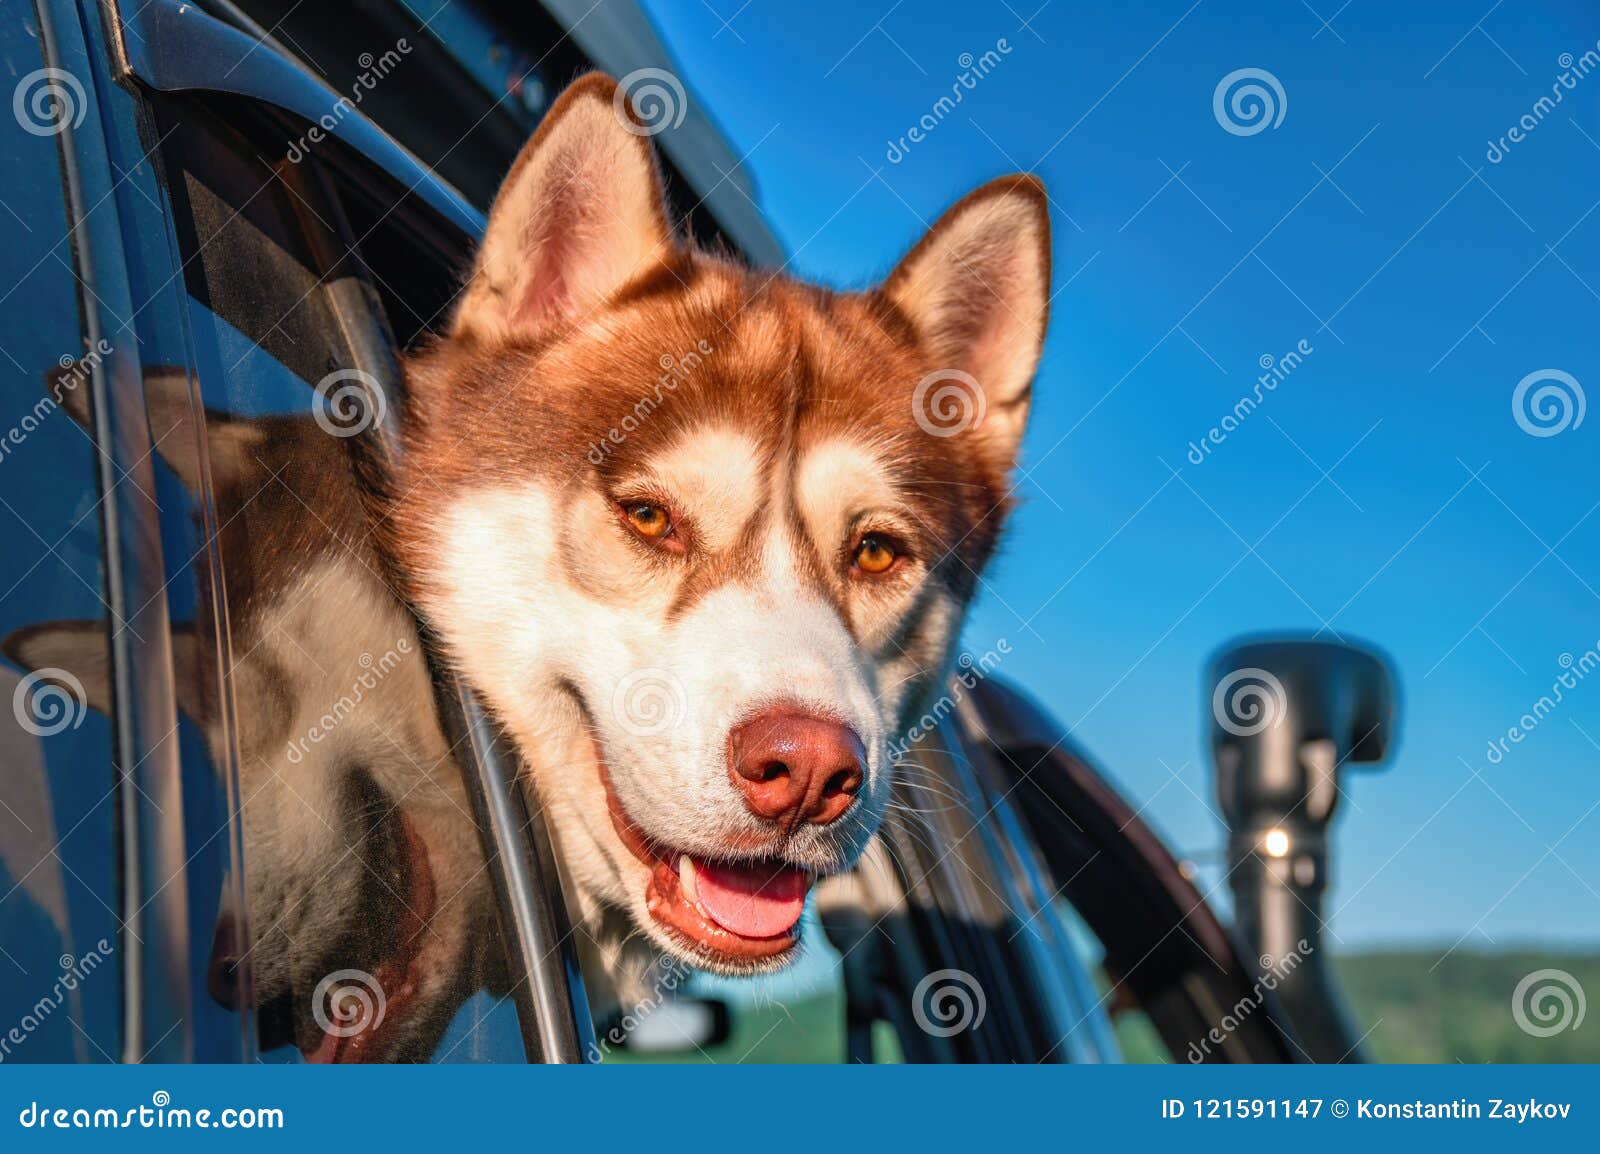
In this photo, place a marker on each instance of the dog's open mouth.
(356, 1013)
(364, 1012)
(741, 910)
(725, 910)
(360, 1014)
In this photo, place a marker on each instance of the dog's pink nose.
(795, 767)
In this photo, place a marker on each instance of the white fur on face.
(716, 477)
(744, 647)
(556, 617)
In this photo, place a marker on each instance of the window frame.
(172, 47)
(153, 951)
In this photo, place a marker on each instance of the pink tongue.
(753, 901)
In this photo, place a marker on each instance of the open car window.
(367, 930)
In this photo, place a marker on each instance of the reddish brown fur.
(793, 365)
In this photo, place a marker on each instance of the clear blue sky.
(1369, 223)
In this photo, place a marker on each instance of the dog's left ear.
(977, 290)
(580, 215)
(82, 648)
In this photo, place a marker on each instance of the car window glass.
(59, 929)
(368, 926)
(1136, 1034)
(460, 91)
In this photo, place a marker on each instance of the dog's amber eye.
(875, 554)
(650, 521)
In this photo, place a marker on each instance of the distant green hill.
(1460, 1009)
(1419, 1008)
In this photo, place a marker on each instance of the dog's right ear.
(580, 215)
(230, 442)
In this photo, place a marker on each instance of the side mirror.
(679, 1025)
(1286, 717)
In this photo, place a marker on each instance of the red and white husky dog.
(702, 601)
(704, 611)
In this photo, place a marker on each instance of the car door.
(95, 847)
(294, 841)
(60, 929)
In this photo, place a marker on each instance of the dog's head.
(703, 536)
